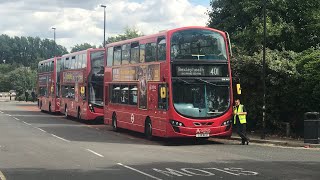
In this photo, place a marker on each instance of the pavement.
(36, 145)
(271, 140)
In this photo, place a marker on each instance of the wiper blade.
(207, 82)
(183, 80)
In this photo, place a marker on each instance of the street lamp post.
(263, 135)
(104, 26)
(54, 39)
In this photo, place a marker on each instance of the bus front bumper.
(200, 132)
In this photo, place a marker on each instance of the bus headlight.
(227, 122)
(176, 123)
(91, 108)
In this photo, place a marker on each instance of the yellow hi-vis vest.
(242, 118)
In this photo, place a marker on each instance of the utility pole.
(54, 39)
(263, 134)
(104, 26)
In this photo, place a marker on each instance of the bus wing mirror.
(163, 92)
(238, 89)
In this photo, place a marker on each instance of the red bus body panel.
(133, 118)
(48, 80)
(78, 104)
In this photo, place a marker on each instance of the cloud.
(80, 21)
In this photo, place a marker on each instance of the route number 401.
(214, 71)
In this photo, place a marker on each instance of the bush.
(281, 76)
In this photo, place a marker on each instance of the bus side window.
(115, 94)
(110, 56)
(134, 53)
(161, 48)
(67, 63)
(124, 94)
(52, 66)
(142, 53)
(73, 62)
(133, 95)
(84, 60)
(162, 96)
(41, 68)
(46, 67)
(117, 56)
(125, 54)
(71, 92)
(151, 52)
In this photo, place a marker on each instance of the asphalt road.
(36, 145)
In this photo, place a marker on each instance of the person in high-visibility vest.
(240, 121)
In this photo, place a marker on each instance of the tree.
(80, 47)
(22, 79)
(28, 50)
(129, 33)
(292, 24)
(282, 77)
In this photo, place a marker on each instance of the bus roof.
(47, 60)
(83, 51)
(161, 33)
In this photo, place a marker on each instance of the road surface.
(36, 145)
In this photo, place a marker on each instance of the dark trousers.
(242, 132)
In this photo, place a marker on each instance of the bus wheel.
(49, 108)
(114, 122)
(40, 106)
(79, 114)
(148, 129)
(66, 112)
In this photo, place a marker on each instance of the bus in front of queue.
(81, 83)
(48, 85)
(176, 83)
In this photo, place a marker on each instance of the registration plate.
(202, 135)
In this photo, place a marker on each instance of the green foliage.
(129, 33)
(308, 65)
(281, 74)
(80, 47)
(292, 73)
(27, 51)
(22, 79)
(291, 24)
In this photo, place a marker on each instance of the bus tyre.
(148, 129)
(50, 108)
(79, 114)
(114, 122)
(40, 106)
(66, 112)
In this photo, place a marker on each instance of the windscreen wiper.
(183, 80)
(207, 82)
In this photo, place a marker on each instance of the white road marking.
(60, 138)
(94, 153)
(8, 114)
(136, 170)
(26, 123)
(2, 177)
(16, 119)
(28, 115)
(223, 171)
(41, 129)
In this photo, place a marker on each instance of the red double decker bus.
(48, 85)
(176, 83)
(81, 80)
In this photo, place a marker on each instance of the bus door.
(158, 104)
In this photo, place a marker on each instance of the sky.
(81, 21)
